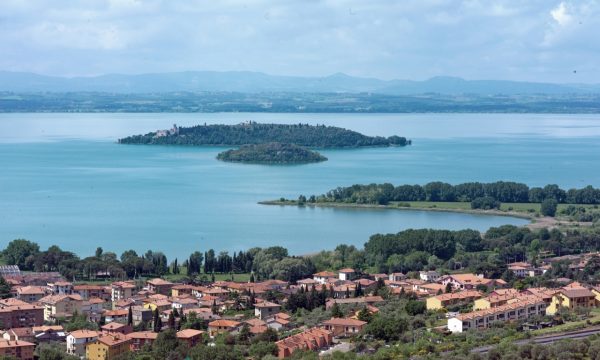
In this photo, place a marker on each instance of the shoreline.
(514, 214)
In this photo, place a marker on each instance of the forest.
(313, 136)
(271, 153)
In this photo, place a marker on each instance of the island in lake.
(312, 136)
(271, 153)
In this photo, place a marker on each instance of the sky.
(533, 40)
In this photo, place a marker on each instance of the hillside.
(271, 153)
(256, 82)
(313, 136)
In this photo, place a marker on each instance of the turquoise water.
(65, 181)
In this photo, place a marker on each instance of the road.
(547, 339)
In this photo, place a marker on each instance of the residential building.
(121, 290)
(397, 276)
(442, 301)
(344, 327)
(470, 281)
(159, 286)
(77, 340)
(266, 309)
(30, 294)
(24, 334)
(222, 326)
(17, 349)
(347, 274)
(141, 338)
(523, 309)
(190, 336)
(108, 347)
(60, 288)
(429, 276)
(323, 276)
(61, 306)
(312, 339)
(572, 297)
(116, 328)
(90, 291)
(15, 313)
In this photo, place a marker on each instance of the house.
(190, 336)
(121, 290)
(141, 314)
(24, 334)
(323, 276)
(117, 315)
(49, 333)
(222, 326)
(15, 313)
(141, 338)
(312, 339)
(108, 347)
(439, 302)
(184, 303)
(343, 291)
(116, 328)
(346, 274)
(281, 321)
(60, 288)
(61, 306)
(91, 291)
(469, 281)
(266, 309)
(523, 309)
(17, 349)
(161, 305)
(343, 327)
(159, 286)
(520, 269)
(429, 276)
(77, 340)
(398, 276)
(571, 297)
(181, 289)
(30, 293)
(308, 283)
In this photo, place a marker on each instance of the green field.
(531, 208)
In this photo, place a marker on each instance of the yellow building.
(439, 302)
(571, 298)
(108, 347)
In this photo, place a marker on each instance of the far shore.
(535, 222)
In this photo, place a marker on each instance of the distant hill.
(255, 82)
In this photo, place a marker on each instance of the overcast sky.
(534, 40)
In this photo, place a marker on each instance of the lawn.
(594, 319)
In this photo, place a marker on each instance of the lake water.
(65, 181)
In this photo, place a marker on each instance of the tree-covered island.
(312, 136)
(271, 153)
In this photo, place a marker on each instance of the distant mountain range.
(255, 82)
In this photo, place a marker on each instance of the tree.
(19, 251)
(157, 322)
(548, 207)
(130, 317)
(261, 349)
(165, 345)
(4, 288)
(336, 312)
(171, 321)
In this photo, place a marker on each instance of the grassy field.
(531, 208)
(594, 319)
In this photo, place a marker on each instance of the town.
(42, 312)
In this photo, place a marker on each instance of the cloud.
(415, 39)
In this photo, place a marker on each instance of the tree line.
(501, 191)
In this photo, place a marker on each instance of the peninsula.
(271, 153)
(312, 136)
